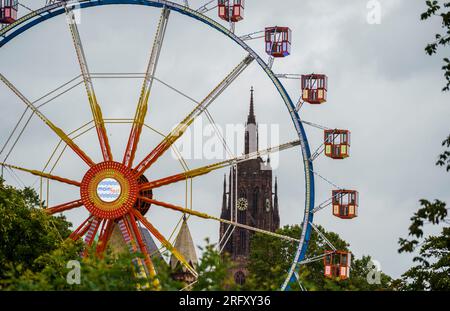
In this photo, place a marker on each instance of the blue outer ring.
(50, 11)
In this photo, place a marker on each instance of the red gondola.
(337, 143)
(345, 203)
(314, 88)
(278, 41)
(337, 264)
(231, 10)
(8, 11)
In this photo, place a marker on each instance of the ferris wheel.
(115, 190)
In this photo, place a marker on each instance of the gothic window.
(242, 242)
(242, 193)
(242, 219)
(267, 200)
(239, 278)
(255, 200)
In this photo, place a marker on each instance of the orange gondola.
(337, 264)
(314, 88)
(345, 203)
(337, 143)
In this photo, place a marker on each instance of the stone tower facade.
(250, 198)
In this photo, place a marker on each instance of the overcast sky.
(382, 87)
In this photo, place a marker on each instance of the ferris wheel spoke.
(95, 107)
(50, 124)
(82, 229)
(142, 246)
(141, 110)
(181, 128)
(42, 174)
(92, 232)
(225, 221)
(164, 242)
(212, 167)
(105, 235)
(64, 207)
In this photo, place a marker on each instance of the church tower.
(249, 199)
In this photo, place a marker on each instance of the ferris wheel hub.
(109, 190)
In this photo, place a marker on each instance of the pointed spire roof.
(152, 248)
(251, 116)
(185, 245)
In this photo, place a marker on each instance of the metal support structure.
(64, 207)
(95, 107)
(179, 130)
(232, 26)
(42, 174)
(323, 205)
(320, 127)
(82, 229)
(326, 203)
(253, 36)
(312, 259)
(207, 7)
(299, 105)
(292, 76)
(302, 288)
(92, 231)
(323, 237)
(26, 123)
(321, 148)
(270, 62)
(50, 124)
(209, 168)
(225, 221)
(141, 110)
(143, 248)
(327, 180)
(164, 242)
(105, 236)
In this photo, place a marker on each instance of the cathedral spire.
(251, 130)
(251, 115)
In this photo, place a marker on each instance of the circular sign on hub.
(109, 190)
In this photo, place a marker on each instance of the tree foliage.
(432, 252)
(440, 9)
(35, 252)
(110, 272)
(271, 257)
(444, 158)
(213, 270)
(26, 232)
(432, 261)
